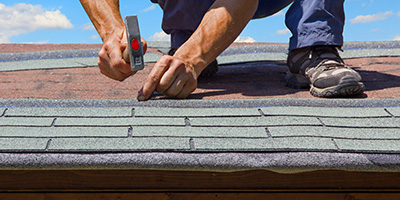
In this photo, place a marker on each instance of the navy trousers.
(311, 22)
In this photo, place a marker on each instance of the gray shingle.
(369, 145)
(47, 64)
(118, 144)
(26, 144)
(120, 121)
(25, 121)
(52, 132)
(333, 132)
(195, 112)
(73, 112)
(2, 111)
(367, 122)
(199, 131)
(394, 111)
(325, 111)
(255, 121)
(151, 57)
(276, 144)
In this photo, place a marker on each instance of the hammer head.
(135, 45)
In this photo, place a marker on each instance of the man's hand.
(110, 59)
(170, 76)
(107, 19)
(111, 62)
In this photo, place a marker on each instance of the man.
(201, 29)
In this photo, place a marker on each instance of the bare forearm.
(219, 28)
(105, 16)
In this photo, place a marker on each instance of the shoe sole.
(348, 86)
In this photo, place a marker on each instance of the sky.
(65, 21)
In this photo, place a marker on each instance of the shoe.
(321, 69)
(210, 70)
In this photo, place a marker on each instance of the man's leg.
(317, 28)
(182, 17)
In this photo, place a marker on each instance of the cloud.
(152, 7)
(39, 42)
(371, 18)
(280, 13)
(161, 36)
(94, 37)
(397, 38)
(283, 31)
(245, 39)
(24, 18)
(88, 27)
(375, 30)
(398, 14)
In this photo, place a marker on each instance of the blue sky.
(65, 21)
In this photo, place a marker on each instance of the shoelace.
(329, 64)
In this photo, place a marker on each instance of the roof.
(213, 130)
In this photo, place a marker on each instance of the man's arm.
(177, 76)
(106, 18)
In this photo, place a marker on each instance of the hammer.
(133, 54)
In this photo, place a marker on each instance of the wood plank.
(200, 196)
(152, 180)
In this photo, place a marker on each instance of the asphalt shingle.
(120, 121)
(335, 132)
(395, 111)
(278, 130)
(69, 112)
(227, 132)
(372, 146)
(23, 144)
(271, 144)
(47, 64)
(194, 112)
(325, 112)
(57, 132)
(256, 121)
(26, 121)
(118, 144)
(388, 122)
(144, 135)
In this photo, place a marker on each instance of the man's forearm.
(219, 28)
(105, 16)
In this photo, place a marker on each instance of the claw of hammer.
(133, 54)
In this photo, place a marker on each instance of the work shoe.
(210, 70)
(322, 69)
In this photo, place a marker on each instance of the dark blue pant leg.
(316, 22)
(182, 17)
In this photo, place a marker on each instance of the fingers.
(144, 46)
(184, 84)
(111, 62)
(171, 77)
(186, 91)
(154, 78)
(105, 67)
